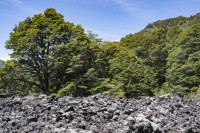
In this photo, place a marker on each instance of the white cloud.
(131, 6)
(127, 5)
(17, 1)
(13, 2)
(137, 8)
(20, 5)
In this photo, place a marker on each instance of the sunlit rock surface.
(98, 114)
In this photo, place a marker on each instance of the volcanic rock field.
(98, 114)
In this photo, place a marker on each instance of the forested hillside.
(53, 56)
(171, 49)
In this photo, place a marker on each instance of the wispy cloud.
(137, 8)
(17, 1)
(13, 17)
(20, 5)
(12, 2)
(128, 5)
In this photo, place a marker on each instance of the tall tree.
(45, 48)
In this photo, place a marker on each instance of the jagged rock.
(99, 114)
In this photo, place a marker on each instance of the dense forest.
(52, 56)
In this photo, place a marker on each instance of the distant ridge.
(180, 21)
(171, 49)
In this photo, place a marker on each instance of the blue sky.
(111, 19)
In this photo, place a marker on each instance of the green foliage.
(51, 51)
(12, 80)
(127, 76)
(173, 33)
(94, 38)
(57, 57)
(170, 49)
(67, 90)
(184, 62)
(122, 67)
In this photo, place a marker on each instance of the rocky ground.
(98, 114)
